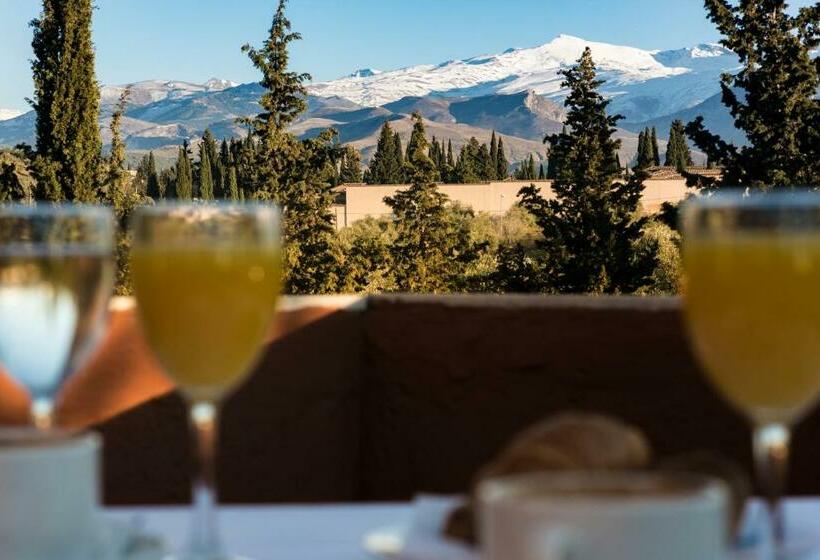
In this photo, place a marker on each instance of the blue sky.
(194, 40)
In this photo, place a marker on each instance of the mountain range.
(517, 93)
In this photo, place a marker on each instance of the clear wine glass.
(207, 279)
(56, 278)
(752, 265)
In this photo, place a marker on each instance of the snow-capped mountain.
(6, 114)
(643, 84)
(151, 91)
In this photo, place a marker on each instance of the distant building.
(358, 201)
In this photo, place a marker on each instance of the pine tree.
(656, 156)
(772, 99)
(66, 102)
(431, 250)
(206, 181)
(469, 166)
(502, 167)
(289, 171)
(541, 175)
(184, 182)
(590, 228)
(417, 144)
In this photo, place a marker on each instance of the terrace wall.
(379, 398)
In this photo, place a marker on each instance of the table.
(334, 532)
(320, 532)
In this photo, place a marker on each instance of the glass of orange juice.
(752, 265)
(207, 279)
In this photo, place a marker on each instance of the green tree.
(290, 171)
(469, 166)
(233, 184)
(432, 249)
(184, 180)
(677, 150)
(493, 157)
(206, 181)
(772, 99)
(367, 263)
(656, 155)
(385, 168)
(121, 195)
(502, 169)
(351, 168)
(590, 227)
(66, 102)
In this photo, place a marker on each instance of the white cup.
(604, 516)
(49, 496)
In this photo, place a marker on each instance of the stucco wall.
(492, 198)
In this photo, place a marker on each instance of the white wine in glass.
(56, 278)
(207, 279)
(752, 266)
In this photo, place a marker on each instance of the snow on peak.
(512, 71)
(216, 84)
(364, 73)
(8, 114)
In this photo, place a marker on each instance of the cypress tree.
(66, 102)
(656, 157)
(486, 166)
(116, 179)
(494, 155)
(153, 183)
(206, 181)
(184, 183)
(398, 154)
(677, 151)
(772, 99)
(502, 167)
(541, 175)
(233, 185)
(451, 162)
(590, 228)
(531, 174)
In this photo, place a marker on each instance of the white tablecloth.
(334, 532)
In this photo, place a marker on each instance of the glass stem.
(204, 542)
(42, 413)
(771, 454)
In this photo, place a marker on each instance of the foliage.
(66, 102)
(366, 263)
(590, 228)
(386, 165)
(184, 179)
(662, 242)
(677, 150)
(772, 99)
(433, 246)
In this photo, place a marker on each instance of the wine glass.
(56, 278)
(752, 265)
(207, 278)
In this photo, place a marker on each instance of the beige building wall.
(491, 198)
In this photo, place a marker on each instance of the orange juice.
(753, 311)
(206, 311)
